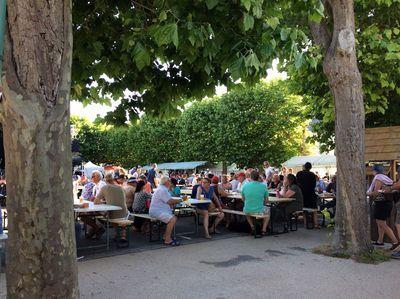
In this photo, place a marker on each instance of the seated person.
(174, 190)
(129, 189)
(255, 195)
(225, 184)
(140, 204)
(290, 189)
(113, 194)
(161, 209)
(275, 183)
(196, 182)
(331, 188)
(147, 185)
(206, 190)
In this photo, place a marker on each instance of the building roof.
(320, 160)
(382, 143)
(179, 165)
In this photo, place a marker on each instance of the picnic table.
(96, 208)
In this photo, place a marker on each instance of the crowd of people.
(153, 191)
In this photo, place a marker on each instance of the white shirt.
(159, 201)
(97, 187)
(268, 172)
(235, 184)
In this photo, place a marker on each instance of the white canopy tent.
(320, 163)
(90, 167)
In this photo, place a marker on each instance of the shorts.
(383, 209)
(398, 213)
(265, 211)
(162, 216)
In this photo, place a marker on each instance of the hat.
(241, 174)
(215, 180)
(378, 168)
(132, 180)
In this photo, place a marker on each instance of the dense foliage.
(378, 52)
(245, 127)
(166, 52)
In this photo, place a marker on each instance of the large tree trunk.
(41, 255)
(352, 232)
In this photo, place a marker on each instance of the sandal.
(208, 237)
(376, 243)
(264, 233)
(173, 243)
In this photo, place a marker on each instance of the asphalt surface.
(238, 267)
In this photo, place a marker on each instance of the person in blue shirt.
(174, 190)
(207, 191)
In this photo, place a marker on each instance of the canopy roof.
(382, 144)
(89, 167)
(180, 165)
(320, 160)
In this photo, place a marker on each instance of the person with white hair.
(161, 209)
(97, 179)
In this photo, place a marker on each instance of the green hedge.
(245, 126)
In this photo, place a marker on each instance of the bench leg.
(257, 227)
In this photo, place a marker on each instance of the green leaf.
(162, 16)
(166, 34)
(246, 4)
(396, 31)
(388, 33)
(248, 22)
(298, 60)
(273, 43)
(284, 34)
(141, 56)
(211, 4)
(252, 60)
(236, 68)
(273, 22)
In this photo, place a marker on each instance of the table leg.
(107, 232)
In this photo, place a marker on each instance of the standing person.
(161, 209)
(268, 171)
(234, 182)
(382, 206)
(255, 195)
(206, 190)
(396, 186)
(152, 175)
(307, 182)
(284, 171)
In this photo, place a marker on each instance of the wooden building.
(382, 146)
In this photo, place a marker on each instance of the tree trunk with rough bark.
(41, 254)
(352, 232)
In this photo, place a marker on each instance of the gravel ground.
(271, 267)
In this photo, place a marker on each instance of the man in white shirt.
(161, 209)
(269, 171)
(98, 183)
(242, 181)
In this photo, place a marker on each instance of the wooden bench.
(241, 213)
(152, 220)
(122, 224)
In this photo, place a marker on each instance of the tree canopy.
(378, 54)
(220, 129)
(166, 52)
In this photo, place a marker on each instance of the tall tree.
(340, 67)
(41, 255)
(180, 48)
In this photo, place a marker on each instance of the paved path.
(272, 267)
